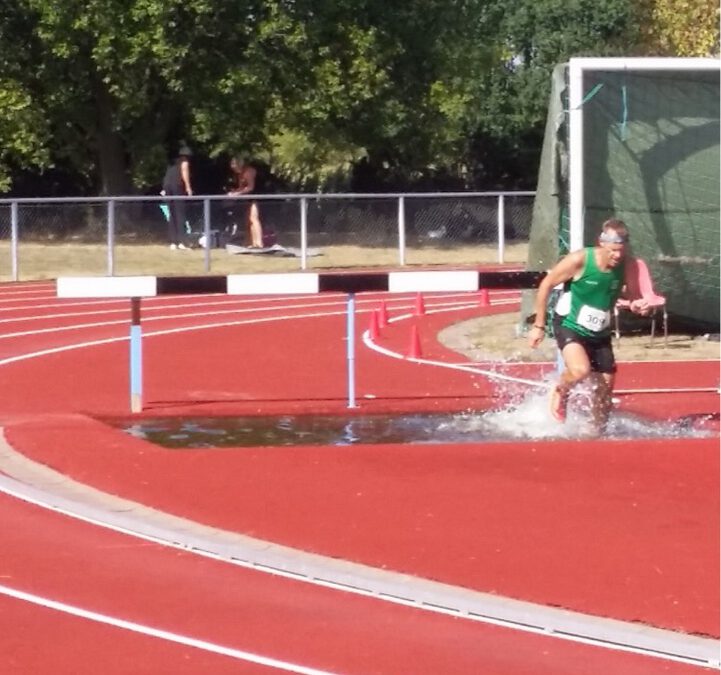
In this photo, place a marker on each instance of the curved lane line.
(623, 644)
(92, 343)
(168, 636)
(441, 364)
(43, 486)
(474, 369)
(169, 331)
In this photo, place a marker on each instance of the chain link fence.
(47, 238)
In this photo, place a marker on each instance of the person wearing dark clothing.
(176, 182)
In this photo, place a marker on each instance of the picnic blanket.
(275, 249)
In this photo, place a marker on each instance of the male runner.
(593, 279)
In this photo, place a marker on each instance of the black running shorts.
(599, 350)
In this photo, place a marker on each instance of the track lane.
(457, 514)
(174, 591)
(228, 341)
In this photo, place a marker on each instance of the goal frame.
(576, 69)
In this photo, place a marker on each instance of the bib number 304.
(593, 319)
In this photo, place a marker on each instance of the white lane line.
(114, 513)
(467, 368)
(169, 331)
(57, 303)
(474, 367)
(474, 370)
(75, 326)
(18, 296)
(160, 302)
(147, 302)
(125, 309)
(489, 373)
(27, 284)
(184, 315)
(163, 307)
(17, 287)
(444, 307)
(203, 645)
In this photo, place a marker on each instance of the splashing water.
(528, 416)
(525, 416)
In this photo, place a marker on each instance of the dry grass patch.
(49, 261)
(497, 338)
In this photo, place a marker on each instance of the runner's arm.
(565, 269)
(632, 292)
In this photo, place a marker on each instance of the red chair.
(641, 286)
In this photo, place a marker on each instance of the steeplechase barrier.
(294, 283)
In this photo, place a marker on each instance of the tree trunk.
(112, 168)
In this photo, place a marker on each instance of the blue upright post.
(136, 357)
(350, 350)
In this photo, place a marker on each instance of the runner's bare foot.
(589, 431)
(559, 401)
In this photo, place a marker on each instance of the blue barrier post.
(350, 350)
(136, 357)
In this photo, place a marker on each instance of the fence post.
(111, 237)
(303, 233)
(501, 227)
(206, 232)
(401, 231)
(14, 234)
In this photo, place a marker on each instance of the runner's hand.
(535, 336)
(640, 306)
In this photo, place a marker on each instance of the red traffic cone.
(414, 348)
(373, 331)
(483, 299)
(383, 315)
(420, 306)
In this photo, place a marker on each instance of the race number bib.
(593, 319)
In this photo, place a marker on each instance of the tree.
(534, 36)
(412, 93)
(679, 27)
(381, 82)
(107, 80)
(23, 130)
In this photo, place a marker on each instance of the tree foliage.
(329, 93)
(512, 96)
(679, 27)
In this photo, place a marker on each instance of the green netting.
(651, 158)
(548, 239)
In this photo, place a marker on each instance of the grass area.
(497, 338)
(52, 260)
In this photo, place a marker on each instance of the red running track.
(222, 606)
(621, 529)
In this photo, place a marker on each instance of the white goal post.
(577, 68)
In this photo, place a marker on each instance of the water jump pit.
(524, 421)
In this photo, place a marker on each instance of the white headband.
(613, 237)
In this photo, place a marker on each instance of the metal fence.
(46, 238)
